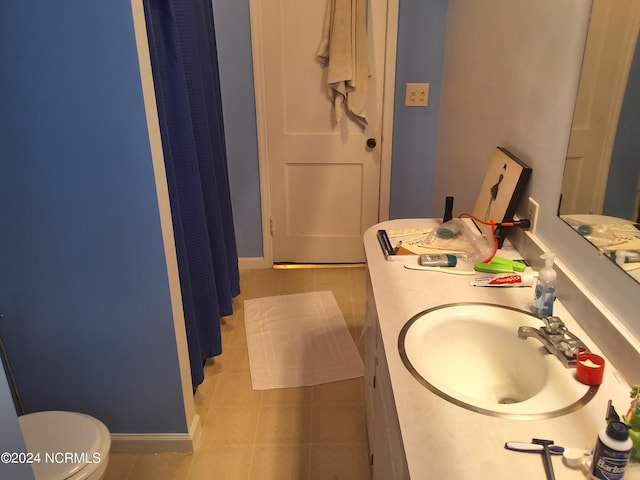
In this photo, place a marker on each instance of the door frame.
(384, 143)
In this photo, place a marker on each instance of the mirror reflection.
(601, 184)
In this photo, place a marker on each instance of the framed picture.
(502, 188)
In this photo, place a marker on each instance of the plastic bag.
(457, 237)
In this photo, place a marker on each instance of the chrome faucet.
(557, 339)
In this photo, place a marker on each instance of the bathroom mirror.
(601, 183)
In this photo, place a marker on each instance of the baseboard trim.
(157, 442)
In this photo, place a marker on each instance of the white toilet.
(68, 445)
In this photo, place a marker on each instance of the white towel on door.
(344, 51)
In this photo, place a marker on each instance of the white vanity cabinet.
(385, 440)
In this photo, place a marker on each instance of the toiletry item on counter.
(589, 368)
(612, 451)
(449, 270)
(612, 415)
(622, 256)
(448, 209)
(459, 237)
(529, 447)
(500, 265)
(545, 292)
(492, 268)
(444, 260)
(576, 457)
(505, 280)
(573, 457)
(450, 228)
(546, 457)
(538, 445)
(515, 265)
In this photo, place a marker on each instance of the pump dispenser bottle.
(545, 292)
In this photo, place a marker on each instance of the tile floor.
(313, 433)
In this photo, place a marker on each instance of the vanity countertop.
(442, 440)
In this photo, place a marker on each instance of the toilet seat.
(71, 446)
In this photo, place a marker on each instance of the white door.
(611, 41)
(323, 179)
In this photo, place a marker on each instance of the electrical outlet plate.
(532, 212)
(417, 95)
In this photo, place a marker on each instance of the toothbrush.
(533, 447)
(451, 270)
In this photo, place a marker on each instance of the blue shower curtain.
(185, 72)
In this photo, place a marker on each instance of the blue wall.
(88, 322)
(419, 59)
(11, 438)
(624, 171)
(233, 37)
(420, 53)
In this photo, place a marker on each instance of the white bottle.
(545, 292)
(612, 452)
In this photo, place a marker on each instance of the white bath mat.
(300, 339)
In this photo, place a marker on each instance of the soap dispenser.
(545, 292)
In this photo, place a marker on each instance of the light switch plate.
(417, 95)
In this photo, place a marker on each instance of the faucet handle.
(554, 325)
(571, 347)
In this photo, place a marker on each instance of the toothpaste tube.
(506, 280)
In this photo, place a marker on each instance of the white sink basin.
(470, 355)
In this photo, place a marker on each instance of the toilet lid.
(66, 442)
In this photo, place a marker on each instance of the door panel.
(329, 186)
(323, 179)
